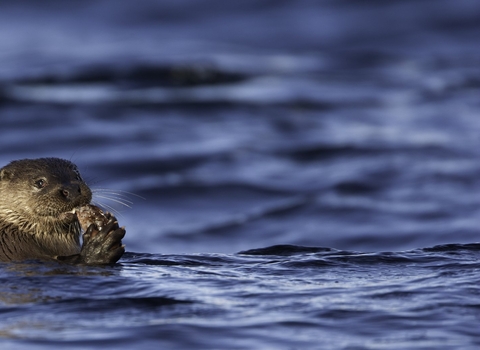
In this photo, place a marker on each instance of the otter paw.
(103, 246)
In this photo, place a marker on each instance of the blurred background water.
(238, 125)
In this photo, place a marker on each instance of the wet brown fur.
(35, 198)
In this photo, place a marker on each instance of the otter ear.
(5, 175)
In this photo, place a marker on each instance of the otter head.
(41, 192)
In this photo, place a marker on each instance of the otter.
(39, 201)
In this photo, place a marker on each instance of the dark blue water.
(241, 138)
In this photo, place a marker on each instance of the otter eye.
(40, 183)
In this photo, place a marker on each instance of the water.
(282, 297)
(232, 127)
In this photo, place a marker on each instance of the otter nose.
(69, 191)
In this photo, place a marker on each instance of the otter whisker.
(108, 207)
(115, 193)
(122, 202)
(113, 198)
(119, 193)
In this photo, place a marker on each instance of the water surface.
(234, 127)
